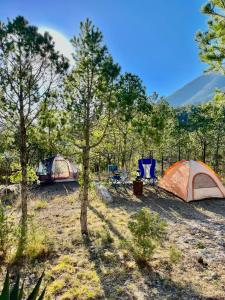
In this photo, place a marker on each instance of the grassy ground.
(189, 265)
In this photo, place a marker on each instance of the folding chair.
(119, 179)
(147, 168)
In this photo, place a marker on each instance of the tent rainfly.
(56, 169)
(192, 180)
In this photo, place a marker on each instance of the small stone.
(213, 276)
(221, 243)
(130, 265)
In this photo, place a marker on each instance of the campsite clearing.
(102, 268)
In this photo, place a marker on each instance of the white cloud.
(62, 43)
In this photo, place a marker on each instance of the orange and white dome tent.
(192, 180)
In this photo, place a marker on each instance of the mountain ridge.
(197, 91)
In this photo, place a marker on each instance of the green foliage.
(29, 67)
(5, 231)
(98, 113)
(30, 70)
(40, 204)
(106, 238)
(8, 233)
(200, 245)
(16, 175)
(131, 106)
(88, 91)
(211, 42)
(89, 86)
(175, 254)
(17, 292)
(147, 231)
(7, 156)
(38, 241)
(130, 97)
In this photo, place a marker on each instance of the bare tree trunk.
(49, 141)
(188, 154)
(162, 164)
(108, 159)
(86, 169)
(217, 153)
(24, 195)
(99, 168)
(204, 152)
(179, 152)
(124, 152)
(84, 202)
(129, 161)
(195, 154)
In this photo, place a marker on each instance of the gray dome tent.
(56, 169)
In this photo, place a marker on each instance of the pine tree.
(89, 93)
(211, 42)
(29, 69)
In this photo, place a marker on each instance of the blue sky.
(151, 38)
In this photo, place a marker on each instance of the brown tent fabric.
(56, 169)
(192, 180)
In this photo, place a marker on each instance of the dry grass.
(40, 204)
(101, 267)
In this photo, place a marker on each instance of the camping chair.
(113, 175)
(147, 169)
(112, 169)
(119, 179)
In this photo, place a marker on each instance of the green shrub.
(147, 232)
(38, 242)
(200, 245)
(17, 292)
(175, 254)
(3, 231)
(40, 204)
(6, 231)
(38, 245)
(16, 176)
(106, 237)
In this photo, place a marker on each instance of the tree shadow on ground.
(109, 223)
(168, 206)
(216, 206)
(165, 288)
(52, 190)
(152, 285)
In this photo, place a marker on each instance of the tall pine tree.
(89, 93)
(29, 69)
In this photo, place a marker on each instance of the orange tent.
(192, 180)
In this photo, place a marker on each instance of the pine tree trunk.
(204, 152)
(188, 154)
(86, 169)
(99, 168)
(162, 164)
(179, 152)
(217, 153)
(84, 203)
(24, 195)
(124, 153)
